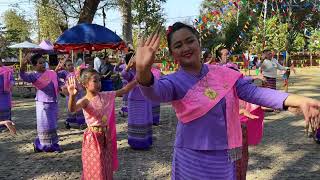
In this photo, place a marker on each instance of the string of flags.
(214, 19)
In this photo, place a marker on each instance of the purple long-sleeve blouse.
(46, 94)
(135, 93)
(208, 132)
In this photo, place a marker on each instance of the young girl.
(6, 84)
(99, 147)
(77, 117)
(47, 85)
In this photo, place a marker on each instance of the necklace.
(208, 91)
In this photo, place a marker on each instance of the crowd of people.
(219, 110)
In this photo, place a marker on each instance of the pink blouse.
(99, 109)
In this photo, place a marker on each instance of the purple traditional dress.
(6, 82)
(156, 105)
(78, 117)
(208, 137)
(139, 116)
(46, 109)
(124, 107)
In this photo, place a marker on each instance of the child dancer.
(47, 85)
(77, 117)
(99, 147)
(6, 84)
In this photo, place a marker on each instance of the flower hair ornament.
(169, 30)
(79, 68)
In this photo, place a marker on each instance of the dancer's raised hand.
(71, 86)
(146, 51)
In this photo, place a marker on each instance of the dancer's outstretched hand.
(71, 86)
(146, 51)
(311, 111)
(10, 125)
(248, 114)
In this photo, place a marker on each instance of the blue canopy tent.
(91, 37)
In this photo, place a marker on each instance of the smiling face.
(185, 47)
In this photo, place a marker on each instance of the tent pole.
(72, 56)
(20, 56)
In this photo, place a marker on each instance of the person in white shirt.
(96, 63)
(269, 69)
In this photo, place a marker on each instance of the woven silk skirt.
(96, 156)
(139, 124)
(47, 117)
(202, 165)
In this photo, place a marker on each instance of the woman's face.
(185, 48)
(208, 58)
(224, 56)
(41, 65)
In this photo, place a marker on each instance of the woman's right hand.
(146, 51)
(71, 86)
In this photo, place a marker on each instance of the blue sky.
(175, 10)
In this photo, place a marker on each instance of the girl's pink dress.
(99, 148)
(254, 126)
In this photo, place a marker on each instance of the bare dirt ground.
(285, 152)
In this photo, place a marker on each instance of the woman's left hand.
(311, 111)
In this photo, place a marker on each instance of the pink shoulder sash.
(206, 93)
(156, 72)
(47, 77)
(7, 73)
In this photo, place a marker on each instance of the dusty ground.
(285, 153)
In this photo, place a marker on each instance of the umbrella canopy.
(46, 45)
(25, 45)
(90, 37)
(46, 48)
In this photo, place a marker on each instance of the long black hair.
(34, 58)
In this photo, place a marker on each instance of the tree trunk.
(88, 11)
(125, 7)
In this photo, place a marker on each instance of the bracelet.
(149, 83)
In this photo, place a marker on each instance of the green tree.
(276, 34)
(148, 13)
(314, 41)
(17, 27)
(299, 42)
(51, 23)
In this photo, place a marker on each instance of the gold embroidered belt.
(97, 128)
